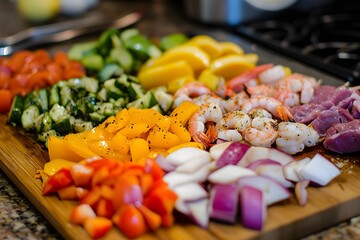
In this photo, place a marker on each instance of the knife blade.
(49, 36)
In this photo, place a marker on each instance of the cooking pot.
(233, 12)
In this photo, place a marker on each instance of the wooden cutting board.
(21, 156)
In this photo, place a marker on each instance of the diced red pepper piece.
(59, 180)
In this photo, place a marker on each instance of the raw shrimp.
(189, 91)
(293, 137)
(261, 90)
(237, 83)
(270, 104)
(296, 89)
(232, 125)
(234, 103)
(262, 132)
(210, 112)
(272, 75)
(223, 90)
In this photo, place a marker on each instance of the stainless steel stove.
(326, 38)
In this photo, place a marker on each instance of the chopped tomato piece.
(81, 174)
(105, 208)
(97, 227)
(152, 219)
(80, 213)
(130, 220)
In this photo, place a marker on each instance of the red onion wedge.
(176, 178)
(224, 202)
(292, 169)
(319, 170)
(218, 149)
(193, 165)
(257, 153)
(253, 208)
(257, 163)
(164, 164)
(199, 211)
(300, 192)
(186, 154)
(232, 154)
(275, 172)
(190, 191)
(229, 174)
(273, 191)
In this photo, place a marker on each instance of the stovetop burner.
(328, 39)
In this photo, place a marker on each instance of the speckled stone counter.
(18, 217)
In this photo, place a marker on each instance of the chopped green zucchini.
(16, 110)
(63, 127)
(29, 116)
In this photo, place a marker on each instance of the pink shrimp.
(237, 83)
(209, 112)
(189, 91)
(275, 107)
(296, 89)
(261, 90)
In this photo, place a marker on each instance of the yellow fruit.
(207, 44)
(38, 10)
(161, 75)
(230, 66)
(251, 57)
(177, 83)
(195, 57)
(209, 79)
(230, 48)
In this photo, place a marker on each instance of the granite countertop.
(19, 219)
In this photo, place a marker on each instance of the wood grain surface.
(21, 156)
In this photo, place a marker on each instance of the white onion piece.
(181, 207)
(190, 191)
(275, 172)
(193, 165)
(186, 154)
(199, 211)
(253, 208)
(216, 150)
(292, 169)
(176, 178)
(257, 153)
(224, 202)
(255, 164)
(232, 154)
(300, 192)
(229, 174)
(273, 191)
(320, 170)
(164, 164)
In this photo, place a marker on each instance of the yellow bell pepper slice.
(58, 148)
(161, 75)
(178, 83)
(160, 138)
(231, 48)
(183, 112)
(209, 79)
(50, 168)
(139, 150)
(194, 56)
(207, 44)
(230, 66)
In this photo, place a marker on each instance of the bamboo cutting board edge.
(21, 156)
